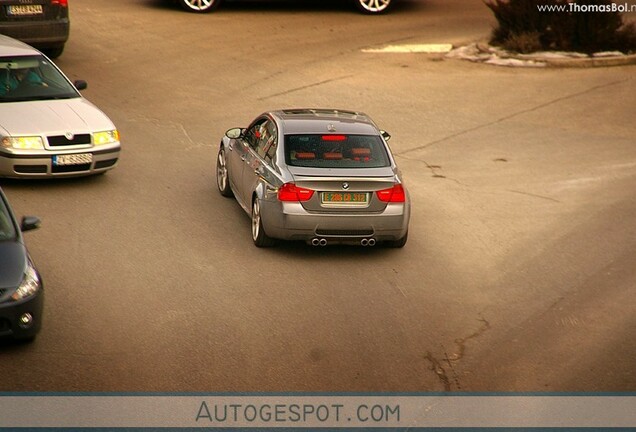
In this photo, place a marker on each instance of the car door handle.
(231, 147)
(243, 158)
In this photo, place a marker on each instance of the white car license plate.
(24, 9)
(72, 159)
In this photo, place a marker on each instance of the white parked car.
(365, 6)
(47, 129)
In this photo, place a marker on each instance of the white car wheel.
(373, 6)
(199, 5)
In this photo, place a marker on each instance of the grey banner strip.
(318, 411)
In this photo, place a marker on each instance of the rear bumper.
(41, 165)
(290, 221)
(41, 34)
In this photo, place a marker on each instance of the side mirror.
(385, 135)
(234, 133)
(30, 223)
(80, 84)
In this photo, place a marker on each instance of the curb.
(484, 53)
(625, 60)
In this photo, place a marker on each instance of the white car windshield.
(29, 78)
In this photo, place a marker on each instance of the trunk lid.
(344, 190)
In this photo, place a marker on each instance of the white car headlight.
(30, 284)
(105, 137)
(23, 143)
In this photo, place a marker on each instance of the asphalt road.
(519, 271)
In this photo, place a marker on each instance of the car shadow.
(51, 182)
(9, 344)
(302, 249)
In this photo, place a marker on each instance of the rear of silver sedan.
(352, 210)
(345, 189)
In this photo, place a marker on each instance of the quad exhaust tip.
(318, 241)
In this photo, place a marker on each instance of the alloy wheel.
(221, 171)
(374, 6)
(256, 220)
(199, 5)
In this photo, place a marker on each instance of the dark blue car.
(21, 289)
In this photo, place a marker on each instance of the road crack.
(534, 195)
(434, 170)
(445, 368)
(513, 115)
(179, 127)
(305, 87)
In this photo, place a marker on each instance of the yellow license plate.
(345, 198)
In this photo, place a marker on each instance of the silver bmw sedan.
(318, 175)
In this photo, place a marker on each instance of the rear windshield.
(28, 78)
(336, 151)
(7, 230)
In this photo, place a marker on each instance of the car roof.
(320, 120)
(13, 47)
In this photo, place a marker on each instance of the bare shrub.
(520, 25)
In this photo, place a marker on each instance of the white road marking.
(412, 48)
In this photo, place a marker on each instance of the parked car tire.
(373, 7)
(199, 6)
(258, 233)
(53, 52)
(222, 179)
(25, 339)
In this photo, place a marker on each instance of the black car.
(21, 289)
(43, 24)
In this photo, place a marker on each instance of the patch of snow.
(608, 54)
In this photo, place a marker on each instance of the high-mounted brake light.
(393, 194)
(63, 3)
(291, 192)
(334, 137)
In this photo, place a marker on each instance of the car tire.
(373, 7)
(222, 178)
(199, 6)
(25, 339)
(397, 243)
(258, 233)
(53, 52)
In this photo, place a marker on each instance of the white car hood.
(52, 117)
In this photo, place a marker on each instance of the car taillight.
(393, 194)
(291, 192)
(63, 3)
